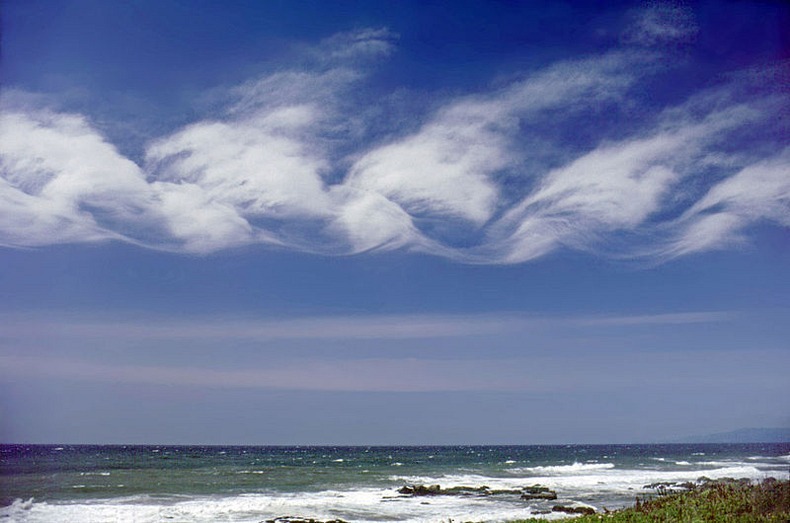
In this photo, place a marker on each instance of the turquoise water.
(191, 483)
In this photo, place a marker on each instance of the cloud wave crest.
(550, 160)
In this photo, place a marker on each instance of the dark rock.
(467, 491)
(420, 490)
(505, 492)
(292, 519)
(542, 495)
(538, 492)
(573, 510)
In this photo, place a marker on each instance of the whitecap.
(575, 468)
(368, 505)
(360, 506)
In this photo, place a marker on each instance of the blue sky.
(413, 222)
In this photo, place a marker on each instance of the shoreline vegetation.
(720, 501)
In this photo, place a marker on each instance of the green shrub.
(724, 501)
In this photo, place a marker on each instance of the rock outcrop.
(538, 492)
(421, 490)
(293, 519)
(573, 510)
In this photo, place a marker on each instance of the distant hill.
(743, 436)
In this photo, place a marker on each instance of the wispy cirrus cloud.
(662, 23)
(536, 374)
(360, 327)
(547, 353)
(486, 177)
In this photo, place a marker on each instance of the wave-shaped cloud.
(550, 160)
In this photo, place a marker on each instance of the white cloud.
(292, 163)
(16, 326)
(447, 167)
(255, 166)
(662, 23)
(53, 166)
(362, 44)
(587, 371)
(759, 192)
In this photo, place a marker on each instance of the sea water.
(84, 483)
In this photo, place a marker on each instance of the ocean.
(87, 483)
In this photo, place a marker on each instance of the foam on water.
(576, 468)
(581, 483)
(363, 506)
(346, 485)
(601, 480)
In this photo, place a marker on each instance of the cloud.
(361, 44)
(661, 24)
(54, 167)
(62, 182)
(582, 372)
(363, 327)
(615, 187)
(447, 167)
(163, 346)
(547, 160)
(759, 192)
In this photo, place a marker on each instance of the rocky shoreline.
(526, 493)
(530, 493)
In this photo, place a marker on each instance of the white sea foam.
(362, 506)
(576, 468)
(589, 482)
(574, 483)
(601, 484)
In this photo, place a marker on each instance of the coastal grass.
(710, 502)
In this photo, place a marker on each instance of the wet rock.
(573, 510)
(292, 519)
(467, 491)
(538, 492)
(506, 492)
(420, 490)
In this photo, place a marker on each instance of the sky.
(290, 223)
